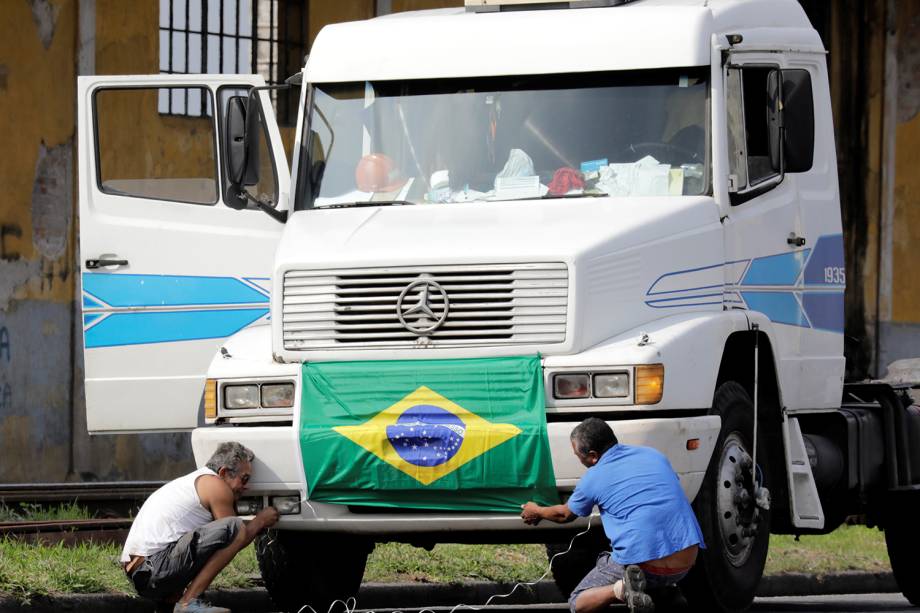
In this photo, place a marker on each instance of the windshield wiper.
(348, 205)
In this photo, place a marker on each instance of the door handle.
(93, 264)
(795, 241)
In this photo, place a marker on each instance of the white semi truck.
(643, 194)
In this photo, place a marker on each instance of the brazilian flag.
(458, 435)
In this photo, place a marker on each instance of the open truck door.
(168, 269)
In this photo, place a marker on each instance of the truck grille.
(491, 304)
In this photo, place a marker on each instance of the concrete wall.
(37, 84)
(899, 304)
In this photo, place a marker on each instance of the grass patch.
(37, 512)
(242, 572)
(27, 570)
(846, 548)
(393, 562)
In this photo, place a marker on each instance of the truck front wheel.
(735, 529)
(307, 568)
(903, 540)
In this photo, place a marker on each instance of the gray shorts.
(608, 572)
(166, 573)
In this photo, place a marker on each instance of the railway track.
(106, 491)
(110, 502)
(68, 532)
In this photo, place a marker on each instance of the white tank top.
(170, 512)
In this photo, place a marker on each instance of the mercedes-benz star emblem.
(426, 315)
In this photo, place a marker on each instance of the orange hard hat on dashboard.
(377, 172)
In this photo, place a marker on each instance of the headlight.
(570, 385)
(241, 397)
(277, 395)
(248, 506)
(611, 385)
(286, 505)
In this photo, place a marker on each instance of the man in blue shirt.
(652, 529)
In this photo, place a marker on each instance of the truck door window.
(267, 187)
(748, 128)
(144, 153)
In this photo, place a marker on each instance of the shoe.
(634, 591)
(196, 605)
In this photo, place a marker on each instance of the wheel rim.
(737, 512)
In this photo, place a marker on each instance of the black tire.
(570, 568)
(903, 539)
(306, 568)
(728, 571)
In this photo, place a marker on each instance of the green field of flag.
(464, 435)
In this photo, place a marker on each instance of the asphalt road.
(861, 603)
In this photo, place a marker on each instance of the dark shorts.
(166, 573)
(608, 572)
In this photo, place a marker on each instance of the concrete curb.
(391, 595)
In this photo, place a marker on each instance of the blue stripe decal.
(169, 326)
(782, 269)
(123, 290)
(779, 286)
(651, 290)
(263, 284)
(824, 309)
(780, 307)
(826, 263)
(89, 303)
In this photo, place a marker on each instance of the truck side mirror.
(775, 120)
(798, 121)
(242, 149)
(236, 138)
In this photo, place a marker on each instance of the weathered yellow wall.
(415, 5)
(905, 298)
(127, 37)
(37, 89)
(325, 12)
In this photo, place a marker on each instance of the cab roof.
(643, 34)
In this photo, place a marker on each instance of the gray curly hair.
(230, 455)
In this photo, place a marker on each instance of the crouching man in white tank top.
(188, 531)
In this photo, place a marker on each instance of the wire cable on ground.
(351, 604)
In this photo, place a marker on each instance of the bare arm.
(218, 498)
(532, 514)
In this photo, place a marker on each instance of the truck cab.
(641, 197)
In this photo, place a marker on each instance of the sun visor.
(446, 44)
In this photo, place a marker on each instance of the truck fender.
(690, 345)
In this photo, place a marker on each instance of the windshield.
(641, 133)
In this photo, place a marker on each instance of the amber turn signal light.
(210, 399)
(649, 383)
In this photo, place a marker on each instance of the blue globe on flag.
(426, 435)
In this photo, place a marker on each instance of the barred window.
(265, 37)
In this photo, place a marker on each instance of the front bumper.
(278, 469)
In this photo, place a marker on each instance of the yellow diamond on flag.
(427, 436)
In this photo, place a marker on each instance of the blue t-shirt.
(645, 512)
